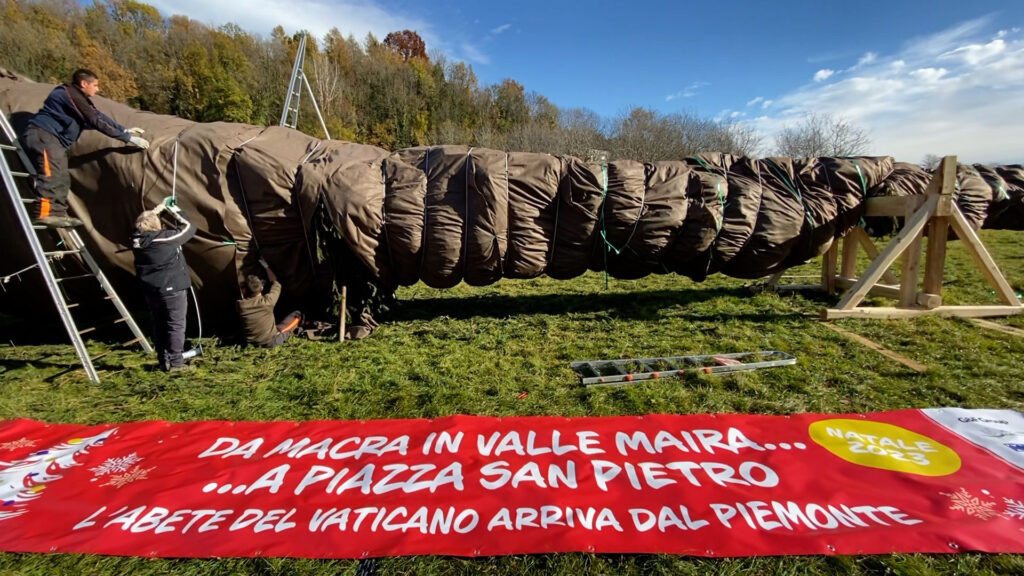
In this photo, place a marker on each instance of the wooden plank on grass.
(997, 326)
(917, 367)
(948, 311)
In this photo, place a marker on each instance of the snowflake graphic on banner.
(971, 505)
(115, 465)
(121, 480)
(1014, 508)
(16, 444)
(24, 480)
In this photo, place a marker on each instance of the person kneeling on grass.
(256, 311)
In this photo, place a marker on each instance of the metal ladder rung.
(79, 277)
(76, 304)
(61, 253)
(7, 147)
(588, 367)
(27, 200)
(20, 174)
(94, 328)
(130, 342)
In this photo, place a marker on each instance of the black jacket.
(67, 111)
(159, 263)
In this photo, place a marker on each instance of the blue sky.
(938, 77)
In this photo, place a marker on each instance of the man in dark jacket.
(160, 267)
(66, 112)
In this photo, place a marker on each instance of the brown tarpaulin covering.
(450, 214)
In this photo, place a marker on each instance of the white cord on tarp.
(198, 350)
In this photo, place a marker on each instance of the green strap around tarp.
(792, 188)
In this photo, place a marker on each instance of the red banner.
(942, 480)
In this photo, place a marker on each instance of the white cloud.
(928, 75)
(959, 91)
(318, 16)
(500, 29)
(823, 74)
(757, 100)
(975, 54)
(867, 59)
(688, 92)
(766, 104)
(356, 17)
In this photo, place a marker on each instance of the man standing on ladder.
(160, 267)
(66, 112)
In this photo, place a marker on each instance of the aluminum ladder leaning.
(10, 148)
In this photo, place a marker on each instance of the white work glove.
(139, 142)
(264, 263)
(135, 131)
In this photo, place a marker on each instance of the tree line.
(390, 93)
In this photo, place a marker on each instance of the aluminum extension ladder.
(290, 113)
(73, 246)
(629, 370)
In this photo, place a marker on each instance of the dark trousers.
(169, 310)
(52, 182)
(285, 329)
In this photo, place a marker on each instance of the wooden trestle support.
(935, 211)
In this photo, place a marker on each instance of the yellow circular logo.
(880, 445)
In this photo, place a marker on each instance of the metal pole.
(312, 98)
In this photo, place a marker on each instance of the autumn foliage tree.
(407, 44)
(387, 93)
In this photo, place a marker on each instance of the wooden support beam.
(883, 290)
(916, 366)
(982, 258)
(951, 311)
(341, 317)
(869, 246)
(828, 268)
(878, 267)
(894, 206)
(850, 243)
(911, 269)
(935, 262)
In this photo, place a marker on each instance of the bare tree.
(822, 135)
(930, 162)
(648, 136)
(745, 140)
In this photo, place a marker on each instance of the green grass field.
(476, 350)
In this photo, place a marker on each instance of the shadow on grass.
(11, 365)
(638, 306)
